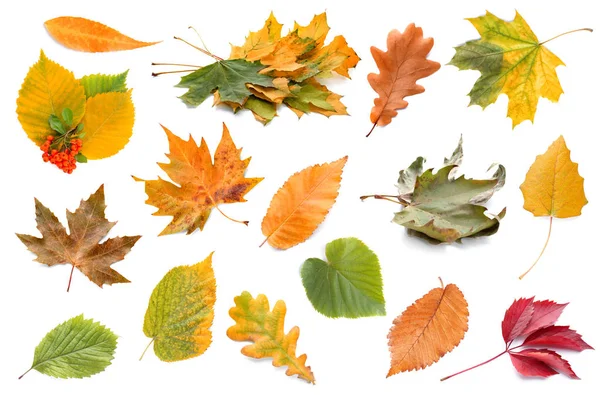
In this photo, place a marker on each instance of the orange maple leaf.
(203, 185)
(404, 63)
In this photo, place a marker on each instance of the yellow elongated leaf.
(47, 90)
(428, 329)
(256, 323)
(108, 124)
(301, 204)
(181, 311)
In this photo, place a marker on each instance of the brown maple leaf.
(404, 63)
(80, 247)
(202, 184)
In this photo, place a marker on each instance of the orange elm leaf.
(404, 63)
(85, 35)
(203, 185)
(301, 204)
(428, 329)
(81, 247)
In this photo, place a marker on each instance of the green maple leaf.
(76, 348)
(442, 208)
(228, 77)
(348, 284)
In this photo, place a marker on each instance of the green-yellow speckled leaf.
(76, 348)
(180, 312)
(103, 83)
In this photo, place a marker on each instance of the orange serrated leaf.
(404, 63)
(202, 184)
(255, 322)
(301, 204)
(428, 329)
(86, 35)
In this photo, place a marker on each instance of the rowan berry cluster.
(63, 157)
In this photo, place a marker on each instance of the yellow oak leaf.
(108, 124)
(202, 184)
(256, 323)
(47, 90)
(553, 187)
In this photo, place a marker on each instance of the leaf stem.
(217, 58)
(373, 128)
(175, 64)
(541, 253)
(147, 347)
(227, 216)
(172, 72)
(389, 198)
(476, 366)
(29, 370)
(586, 29)
(70, 278)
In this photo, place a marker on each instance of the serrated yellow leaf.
(259, 44)
(255, 322)
(553, 186)
(108, 124)
(47, 90)
(316, 30)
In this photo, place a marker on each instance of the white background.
(345, 355)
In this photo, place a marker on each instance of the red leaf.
(557, 336)
(547, 357)
(531, 367)
(545, 313)
(517, 318)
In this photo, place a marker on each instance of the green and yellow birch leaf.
(181, 311)
(102, 83)
(108, 124)
(512, 61)
(47, 90)
(256, 323)
(348, 284)
(76, 348)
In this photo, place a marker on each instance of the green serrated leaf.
(67, 116)
(56, 124)
(180, 312)
(229, 77)
(81, 158)
(408, 177)
(76, 348)
(263, 110)
(102, 83)
(305, 95)
(349, 284)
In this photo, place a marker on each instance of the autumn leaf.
(85, 35)
(102, 83)
(442, 208)
(301, 204)
(81, 247)
(534, 321)
(404, 63)
(181, 311)
(202, 184)
(270, 69)
(553, 188)
(348, 284)
(229, 77)
(512, 61)
(77, 348)
(48, 89)
(428, 329)
(256, 323)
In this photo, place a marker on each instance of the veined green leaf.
(103, 83)
(349, 284)
(76, 348)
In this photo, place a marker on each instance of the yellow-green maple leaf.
(512, 61)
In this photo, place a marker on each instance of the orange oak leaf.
(553, 188)
(81, 247)
(202, 184)
(256, 323)
(85, 35)
(301, 204)
(428, 329)
(404, 63)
